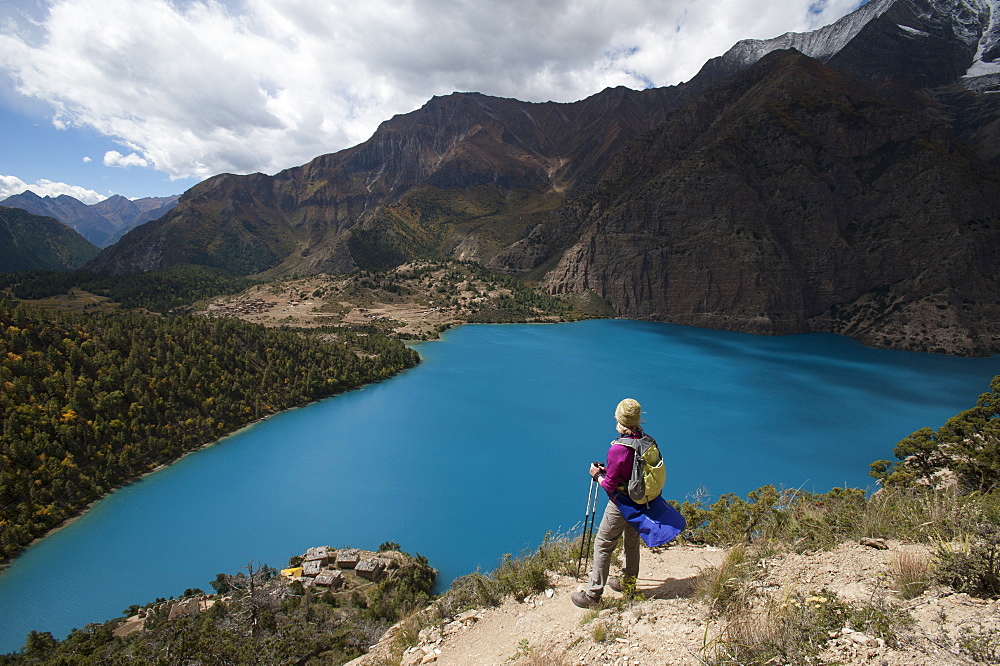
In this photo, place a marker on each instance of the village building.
(333, 580)
(312, 568)
(348, 559)
(371, 569)
(321, 554)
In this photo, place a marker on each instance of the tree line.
(89, 402)
(157, 291)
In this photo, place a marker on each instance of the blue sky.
(148, 97)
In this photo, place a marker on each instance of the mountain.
(464, 170)
(33, 242)
(792, 198)
(921, 42)
(848, 185)
(102, 223)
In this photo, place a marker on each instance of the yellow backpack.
(649, 474)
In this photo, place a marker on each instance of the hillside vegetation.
(91, 402)
(159, 291)
(255, 617)
(34, 242)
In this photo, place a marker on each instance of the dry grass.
(911, 571)
(725, 585)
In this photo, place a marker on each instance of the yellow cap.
(628, 412)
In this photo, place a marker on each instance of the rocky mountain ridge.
(923, 42)
(775, 204)
(847, 186)
(102, 223)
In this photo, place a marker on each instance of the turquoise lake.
(483, 448)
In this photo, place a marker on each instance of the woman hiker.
(613, 477)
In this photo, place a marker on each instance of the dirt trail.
(672, 626)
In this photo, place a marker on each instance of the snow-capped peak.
(973, 24)
(820, 44)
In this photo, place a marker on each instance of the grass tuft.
(911, 571)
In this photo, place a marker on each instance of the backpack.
(649, 474)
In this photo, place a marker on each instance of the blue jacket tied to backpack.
(657, 522)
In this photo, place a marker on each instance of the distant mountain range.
(102, 223)
(849, 185)
(33, 242)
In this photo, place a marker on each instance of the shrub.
(972, 566)
(804, 520)
(517, 577)
(982, 645)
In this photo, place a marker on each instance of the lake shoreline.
(5, 563)
(412, 344)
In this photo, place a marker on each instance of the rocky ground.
(674, 626)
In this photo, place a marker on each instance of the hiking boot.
(618, 584)
(584, 600)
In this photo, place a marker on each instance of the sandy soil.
(674, 627)
(295, 303)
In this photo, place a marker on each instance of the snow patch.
(987, 41)
(913, 31)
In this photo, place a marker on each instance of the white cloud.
(11, 185)
(200, 87)
(113, 158)
(87, 160)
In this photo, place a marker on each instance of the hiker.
(613, 477)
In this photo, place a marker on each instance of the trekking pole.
(586, 539)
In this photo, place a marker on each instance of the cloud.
(113, 158)
(200, 87)
(11, 185)
(87, 160)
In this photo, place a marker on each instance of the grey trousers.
(613, 525)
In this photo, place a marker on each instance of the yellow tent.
(294, 572)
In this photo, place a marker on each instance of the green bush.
(966, 447)
(516, 577)
(973, 567)
(803, 520)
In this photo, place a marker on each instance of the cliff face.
(794, 198)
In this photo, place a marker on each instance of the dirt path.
(667, 630)
(672, 626)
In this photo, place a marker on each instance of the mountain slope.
(31, 242)
(102, 223)
(674, 624)
(464, 175)
(923, 43)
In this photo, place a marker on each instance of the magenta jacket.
(619, 468)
